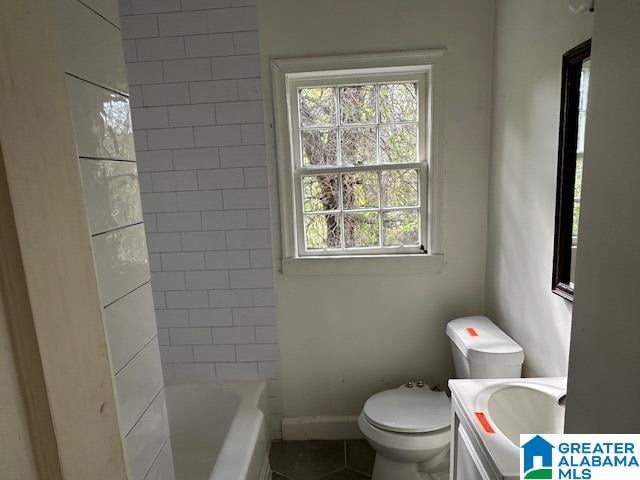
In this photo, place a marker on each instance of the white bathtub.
(219, 430)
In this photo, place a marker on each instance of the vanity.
(488, 417)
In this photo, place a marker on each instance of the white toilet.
(408, 426)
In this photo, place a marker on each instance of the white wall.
(197, 117)
(604, 385)
(530, 40)
(343, 338)
(99, 104)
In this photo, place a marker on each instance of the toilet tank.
(481, 350)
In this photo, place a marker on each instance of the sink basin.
(516, 409)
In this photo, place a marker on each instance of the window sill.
(401, 264)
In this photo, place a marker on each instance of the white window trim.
(285, 71)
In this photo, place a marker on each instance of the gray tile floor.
(322, 460)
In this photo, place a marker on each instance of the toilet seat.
(408, 410)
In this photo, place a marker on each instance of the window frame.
(572, 62)
(288, 74)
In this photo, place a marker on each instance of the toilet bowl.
(409, 430)
(409, 426)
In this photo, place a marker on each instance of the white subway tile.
(124, 7)
(233, 19)
(237, 371)
(269, 370)
(233, 335)
(182, 23)
(210, 317)
(245, 198)
(255, 176)
(159, 202)
(196, 158)
(209, 45)
(239, 112)
(214, 91)
(172, 318)
(201, 200)
(220, 178)
(155, 263)
(274, 387)
(150, 222)
(253, 134)
(249, 89)
(182, 261)
(119, 277)
(257, 352)
(176, 354)
(190, 336)
(226, 260)
(264, 297)
(204, 4)
(224, 220)
(161, 48)
(139, 26)
(168, 94)
(163, 242)
(150, 117)
(254, 316)
(142, 444)
(254, 278)
(202, 241)
(95, 109)
(258, 218)
(261, 258)
(144, 73)
(207, 280)
(168, 280)
(163, 337)
(140, 140)
(130, 53)
(214, 353)
(217, 135)
(144, 179)
(174, 181)
(137, 384)
(245, 42)
(266, 334)
(192, 299)
(179, 222)
(186, 70)
(154, 6)
(154, 160)
(170, 138)
(135, 96)
(248, 239)
(243, 156)
(195, 370)
(129, 324)
(239, 66)
(231, 298)
(191, 115)
(111, 194)
(159, 300)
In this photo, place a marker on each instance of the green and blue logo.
(537, 459)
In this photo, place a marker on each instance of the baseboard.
(265, 474)
(320, 428)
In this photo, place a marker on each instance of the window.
(355, 155)
(575, 89)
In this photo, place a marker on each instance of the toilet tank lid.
(480, 340)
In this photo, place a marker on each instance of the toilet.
(409, 426)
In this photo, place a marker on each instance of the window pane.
(400, 227)
(358, 145)
(399, 188)
(358, 104)
(322, 231)
(319, 147)
(398, 144)
(360, 190)
(398, 102)
(320, 193)
(362, 229)
(317, 107)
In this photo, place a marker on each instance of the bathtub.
(219, 430)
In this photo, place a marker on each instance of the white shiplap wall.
(197, 116)
(99, 105)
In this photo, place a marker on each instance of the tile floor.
(322, 460)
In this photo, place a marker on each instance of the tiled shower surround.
(197, 117)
